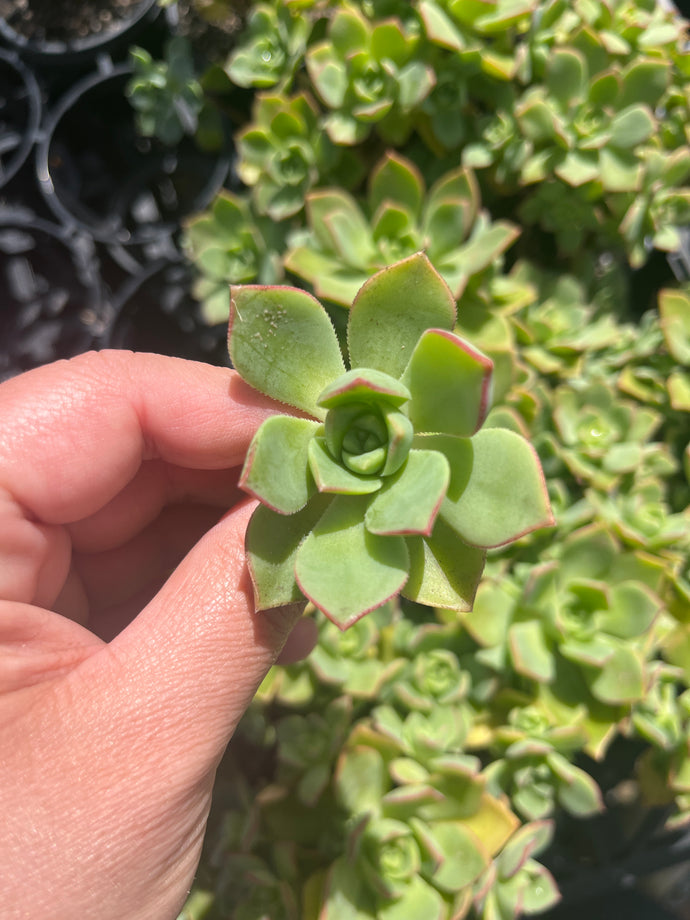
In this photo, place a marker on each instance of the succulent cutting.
(391, 484)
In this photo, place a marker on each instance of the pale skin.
(129, 643)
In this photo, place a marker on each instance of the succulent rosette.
(390, 486)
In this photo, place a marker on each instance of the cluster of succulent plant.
(474, 192)
(573, 121)
(230, 241)
(168, 98)
(343, 243)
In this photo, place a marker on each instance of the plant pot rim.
(80, 49)
(17, 160)
(51, 195)
(23, 219)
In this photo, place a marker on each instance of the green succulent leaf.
(633, 610)
(528, 841)
(444, 572)
(364, 570)
(531, 654)
(566, 76)
(674, 307)
(396, 180)
(621, 680)
(502, 496)
(361, 780)
(439, 28)
(331, 280)
(393, 309)
(271, 543)
(274, 333)
(409, 501)
(632, 126)
(458, 853)
(330, 80)
(620, 170)
(644, 81)
(578, 167)
(577, 792)
(364, 385)
(276, 469)
(332, 476)
(450, 384)
(419, 899)
(539, 890)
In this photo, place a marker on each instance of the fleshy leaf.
(326, 274)
(443, 571)
(632, 126)
(528, 841)
(633, 610)
(346, 571)
(419, 899)
(322, 205)
(621, 680)
(459, 852)
(674, 307)
(331, 476)
(408, 502)
(361, 780)
(505, 495)
(531, 654)
(566, 75)
(276, 470)
(577, 792)
(271, 543)
(363, 384)
(392, 310)
(541, 892)
(396, 179)
(277, 332)
(400, 436)
(450, 384)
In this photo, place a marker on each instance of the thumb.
(129, 740)
(187, 667)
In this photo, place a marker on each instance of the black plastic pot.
(51, 299)
(81, 50)
(100, 177)
(20, 114)
(154, 311)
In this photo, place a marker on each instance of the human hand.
(115, 708)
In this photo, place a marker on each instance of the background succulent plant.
(272, 47)
(283, 153)
(345, 244)
(229, 243)
(168, 98)
(367, 74)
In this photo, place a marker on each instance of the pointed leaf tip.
(450, 384)
(392, 310)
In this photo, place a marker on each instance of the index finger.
(74, 433)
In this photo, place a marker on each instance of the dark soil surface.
(65, 20)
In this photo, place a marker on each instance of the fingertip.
(300, 642)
